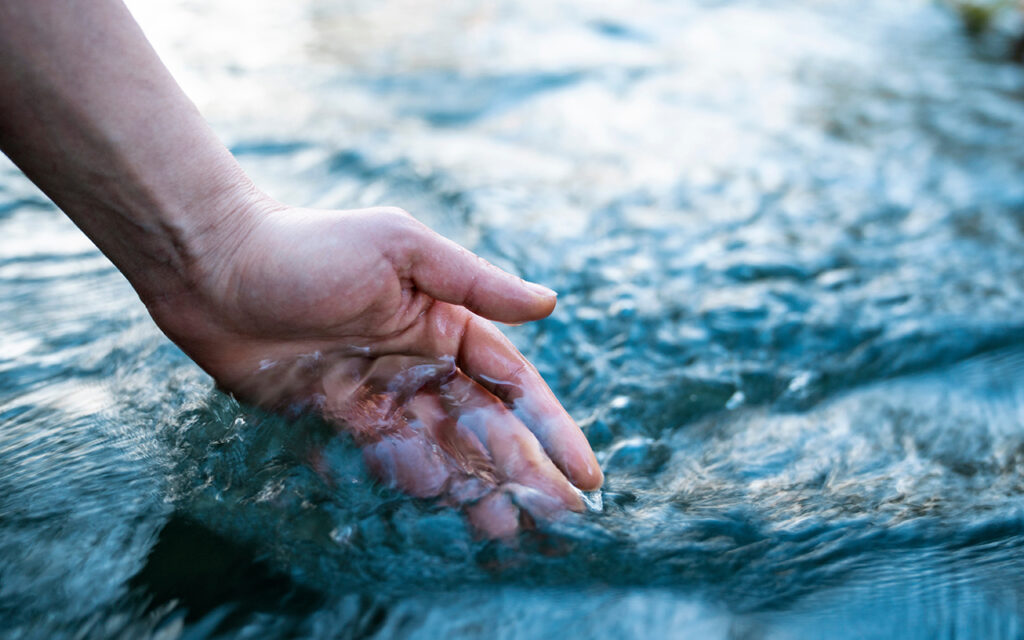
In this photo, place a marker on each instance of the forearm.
(91, 115)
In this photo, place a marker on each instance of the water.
(789, 243)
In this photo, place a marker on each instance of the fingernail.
(541, 290)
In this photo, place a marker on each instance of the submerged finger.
(495, 516)
(405, 461)
(516, 453)
(488, 357)
(403, 454)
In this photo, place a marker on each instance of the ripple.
(788, 323)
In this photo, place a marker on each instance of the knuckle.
(402, 223)
(395, 213)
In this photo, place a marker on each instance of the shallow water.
(789, 243)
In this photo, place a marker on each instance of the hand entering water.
(378, 323)
(366, 316)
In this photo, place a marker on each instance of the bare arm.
(92, 116)
(365, 316)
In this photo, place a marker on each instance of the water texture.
(789, 244)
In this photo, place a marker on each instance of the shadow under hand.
(208, 574)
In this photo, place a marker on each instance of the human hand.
(365, 316)
(376, 322)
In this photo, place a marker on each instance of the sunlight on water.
(788, 240)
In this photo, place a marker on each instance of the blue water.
(789, 244)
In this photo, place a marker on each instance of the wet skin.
(367, 316)
(378, 324)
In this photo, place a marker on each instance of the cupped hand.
(381, 325)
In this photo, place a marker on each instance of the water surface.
(789, 243)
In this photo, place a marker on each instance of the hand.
(376, 322)
(365, 316)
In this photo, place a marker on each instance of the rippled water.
(789, 242)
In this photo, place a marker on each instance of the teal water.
(789, 243)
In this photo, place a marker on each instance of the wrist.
(188, 302)
(201, 235)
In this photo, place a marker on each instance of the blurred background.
(788, 239)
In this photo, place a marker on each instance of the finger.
(448, 272)
(495, 516)
(516, 454)
(425, 453)
(393, 430)
(488, 357)
(404, 460)
(512, 507)
(391, 407)
(474, 472)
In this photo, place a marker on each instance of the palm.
(360, 315)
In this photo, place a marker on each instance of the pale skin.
(365, 316)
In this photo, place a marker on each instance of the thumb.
(450, 273)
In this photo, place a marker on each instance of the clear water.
(789, 242)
